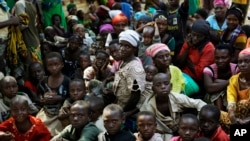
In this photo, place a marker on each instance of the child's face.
(188, 129)
(222, 58)
(79, 116)
(80, 32)
(37, 72)
(76, 90)
(19, 111)
(57, 21)
(112, 121)
(162, 25)
(54, 65)
(114, 51)
(208, 124)
(74, 44)
(147, 38)
(10, 88)
(162, 85)
(101, 59)
(146, 126)
(84, 62)
(150, 72)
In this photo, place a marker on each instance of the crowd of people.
(169, 72)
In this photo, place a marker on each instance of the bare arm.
(214, 86)
(12, 21)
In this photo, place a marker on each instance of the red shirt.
(200, 59)
(37, 132)
(219, 135)
(31, 86)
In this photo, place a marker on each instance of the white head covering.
(113, 13)
(130, 36)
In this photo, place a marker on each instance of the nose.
(187, 132)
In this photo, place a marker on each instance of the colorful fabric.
(214, 24)
(28, 84)
(113, 13)
(4, 5)
(16, 46)
(130, 36)
(119, 18)
(106, 27)
(177, 80)
(221, 2)
(70, 6)
(219, 135)
(37, 132)
(155, 48)
(245, 51)
(127, 9)
(201, 26)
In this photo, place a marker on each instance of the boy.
(188, 128)
(210, 123)
(80, 128)
(113, 117)
(9, 90)
(146, 125)
(22, 126)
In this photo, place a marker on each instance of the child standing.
(22, 126)
(146, 125)
(80, 129)
(188, 128)
(210, 123)
(113, 117)
(77, 92)
(53, 90)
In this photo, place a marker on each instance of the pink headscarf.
(155, 48)
(106, 27)
(245, 51)
(222, 2)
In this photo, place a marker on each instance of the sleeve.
(63, 133)
(186, 102)
(206, 58)
(43, 132)
(241, 39)
(232, 90)
(136, 72)
(208, 71)
(6, 125)
(89, 134)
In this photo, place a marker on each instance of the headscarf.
(245, 51)
(221, 2)
(201, 26)
(75, 27)
(72, 17)
(4, 5)
(127, 9)
(106, 27)
(119, 18)
(142, 16)
(113, 13)
(159, 16)
(70, 6)
(130, 36)
(155, 48)
(237, 12)
(137, 15)
(102, 11)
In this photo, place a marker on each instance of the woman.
(216, 76)
(160, 54)
(130, 75)
(218, 20)
(233, 34)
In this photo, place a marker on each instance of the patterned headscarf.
(155, 48)
(222, 2)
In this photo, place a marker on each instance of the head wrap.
(201, 26)
(130, 36)
(106, 27)
(113, 13)
(102, 11)
(155, 48)
(237, 12)
(70, 6)
(245, 51)
(72, 17)
(127, 9)
(75, 27)
(119, 18)
(159, 16)
(145, 17)
(221, 2)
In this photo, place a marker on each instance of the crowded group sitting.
(123, 70)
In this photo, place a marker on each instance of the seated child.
(96, 107)
(83, 62)
(113, 117)
(53, 90)
(209, 117)
(56, 24)
(188, 128)
(9, 90)
(22, 126)
(36, 74)
(80, 129)
(76, 92)
(146, 126)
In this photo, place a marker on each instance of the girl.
(53, 90)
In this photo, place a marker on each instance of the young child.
(96, 107)
(210, 123)
(56, 24)
(113, 117)
(150, 36)
(22, 126)
(80, 129)
(77, 92)
(84, 62)
(188, 128)
(146, 126)
(9, 90)
(36, 74)
(115, 54)
(53, 90)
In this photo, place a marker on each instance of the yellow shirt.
(4, 16)
(240, 1)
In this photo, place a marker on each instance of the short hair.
(202, 12)
(2, 81)
(228, 47)
(148, 29)
(52, 55)
(19, 98)
(115, 41)
(103, 52)
(98, 102)
(147, 66)
(146, 113)
(212, 108)
(84, 104)
(114, 108)
(76, 37)
(78, 80)
(33, 64)
(191, 116)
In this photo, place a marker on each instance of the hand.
(6, 136)
(150, 23)
(189, 40)
(95, 66)
(14, 20)
(104, 67)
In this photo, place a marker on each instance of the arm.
(186, 102)
(89, 133)
(64, 111)
(157, 33)
(12, 21)
(213, 86)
